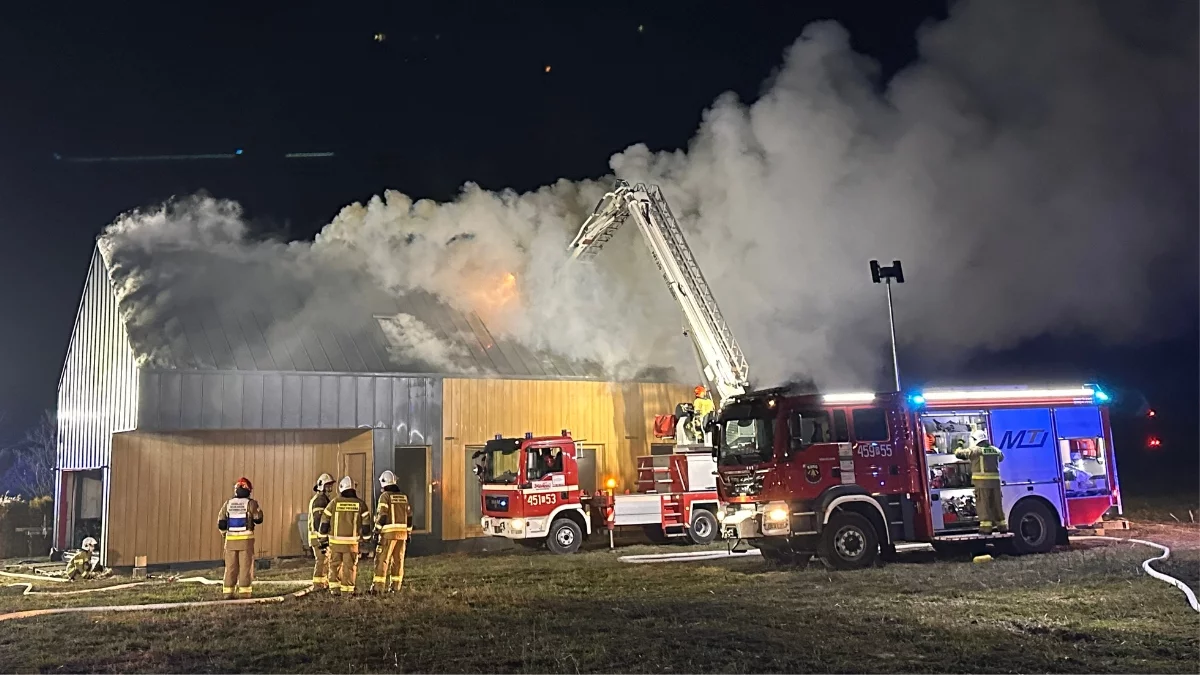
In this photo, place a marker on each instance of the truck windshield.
(500, 463)
(746, 441)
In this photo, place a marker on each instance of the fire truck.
(531, 494)
(846, 477)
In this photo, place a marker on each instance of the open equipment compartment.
(951, 493)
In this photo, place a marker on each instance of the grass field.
(1089, 609)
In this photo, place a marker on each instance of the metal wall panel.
(168, 487)
(98, 390)
(193, 400)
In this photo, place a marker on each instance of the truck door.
(812, 453)
(1085, 457)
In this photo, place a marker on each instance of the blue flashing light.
(916, 399)
(1101, 396)
(238, 151)
(528, 434)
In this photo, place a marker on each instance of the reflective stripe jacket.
(346, 520)
(985, 462)
(392, 515)
(316, 509)
(237, 519)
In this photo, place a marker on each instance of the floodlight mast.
(886, 275)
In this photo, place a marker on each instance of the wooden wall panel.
(618, 416)
(166, 489)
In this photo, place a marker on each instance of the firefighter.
(345, 522)
(985, 461)
(81, 565)
(393, 519)
(316, 507)
(237, 519)
(702, 407)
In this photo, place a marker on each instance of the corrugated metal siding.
(98, 391)
(619, 417)
(167, 488)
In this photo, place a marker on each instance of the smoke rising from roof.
(1035, 170)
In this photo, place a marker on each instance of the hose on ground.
(29, 613)
(1166, 553)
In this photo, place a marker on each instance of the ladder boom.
(721, 359)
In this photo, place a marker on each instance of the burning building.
(158, 418)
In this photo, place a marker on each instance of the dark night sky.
(456, 92)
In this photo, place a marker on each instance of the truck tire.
(565, 537)
(848, 542)
(1033, 526)
(703, 528)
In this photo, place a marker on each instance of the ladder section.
(695, 280)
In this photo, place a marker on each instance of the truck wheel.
(1033, 526)
(565, 536)
(848, 542)
(703, 528)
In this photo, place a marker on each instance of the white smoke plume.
(1035, 170)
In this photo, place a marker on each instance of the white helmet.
(90, 543)
(345, 484)
(323, 480)
(387, 478)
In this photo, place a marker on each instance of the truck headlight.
(517, 524)
(776, 518)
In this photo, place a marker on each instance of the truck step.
(973, 536)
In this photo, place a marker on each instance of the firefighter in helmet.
(702, 408)
(316, 507)
(81, 566)
(393, 519)
(345, 523)
(236, 521)
(985, 461)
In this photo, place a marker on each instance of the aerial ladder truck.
(676, 495)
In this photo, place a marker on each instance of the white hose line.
(161, 605)
(16, 575)
(1166, 553)
(154, 582)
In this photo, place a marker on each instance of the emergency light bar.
(852, 397)
(1009, 394)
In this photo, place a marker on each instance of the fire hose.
(1166, 553)
(153, 606)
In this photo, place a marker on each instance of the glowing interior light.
(610, 483)
(852, 397)
(1010, 394)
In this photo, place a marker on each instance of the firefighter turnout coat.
(393, 517)
(345, 523)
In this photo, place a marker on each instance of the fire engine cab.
(531, 494)
(848, 476)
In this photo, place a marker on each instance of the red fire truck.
(848, 476)
(531, 494)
